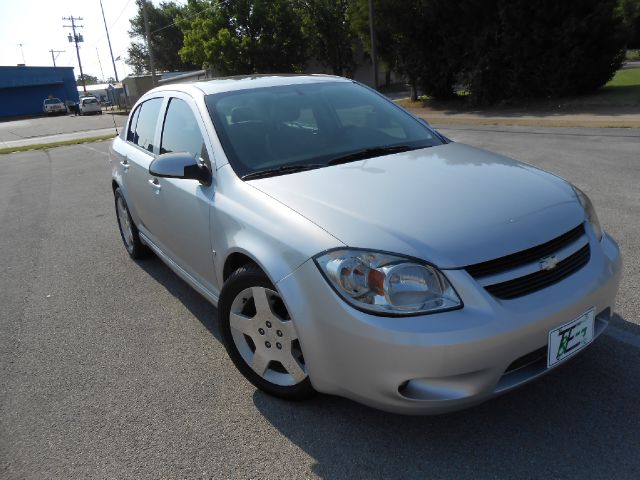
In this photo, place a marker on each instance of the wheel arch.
(236, 260)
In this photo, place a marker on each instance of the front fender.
(248, 221)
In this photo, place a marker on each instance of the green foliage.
(520, 49)
(497, 50)
(88, 80)
(629, 10)
(332, 40)
(166, 39)
(244, 36)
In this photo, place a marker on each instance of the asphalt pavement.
(114, 369)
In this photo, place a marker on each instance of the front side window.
(145, 123)
(264, 129)
(181, 132)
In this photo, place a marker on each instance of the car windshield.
(275, 129)
(89, 100)
(52, 101)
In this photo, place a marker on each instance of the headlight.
(387, 284)
(592, 218)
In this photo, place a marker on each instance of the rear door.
(141, 149)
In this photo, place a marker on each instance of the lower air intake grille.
(542, 279)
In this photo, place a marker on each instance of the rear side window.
(131, 131)
(145, 124)
(181, 132)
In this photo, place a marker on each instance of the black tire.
(136, 249)
(246, 277)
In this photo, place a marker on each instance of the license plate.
(570, 338)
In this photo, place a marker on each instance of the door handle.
(155, 184)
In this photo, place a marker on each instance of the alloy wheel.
(265, 337)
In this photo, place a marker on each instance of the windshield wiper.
(370, 153)
(281, 170)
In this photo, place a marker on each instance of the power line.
(109, 42)
(112, 25)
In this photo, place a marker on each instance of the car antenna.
(113, 117)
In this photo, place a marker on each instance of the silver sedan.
(352, 249)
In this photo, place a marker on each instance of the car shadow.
(580, 421)
(199, 307)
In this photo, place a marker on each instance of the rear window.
(89, 101)
(52, 101)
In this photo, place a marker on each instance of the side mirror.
(180, 165)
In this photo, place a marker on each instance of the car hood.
(453, 205)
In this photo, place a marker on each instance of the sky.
(38, 25)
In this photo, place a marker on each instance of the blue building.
(23, 89)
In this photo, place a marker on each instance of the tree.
(407, 37)
(520, 49)
(498, 50)
(88, 80)
(630, 13)
(166, 39)
(243, 36)
(330, 34)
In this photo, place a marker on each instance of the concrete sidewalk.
(60, 137)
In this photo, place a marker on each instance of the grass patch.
(626, 77)
(44, 146)
(622, 89)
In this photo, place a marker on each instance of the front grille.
(525, 256)
(542, 279)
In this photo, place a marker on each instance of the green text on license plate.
(570, 338)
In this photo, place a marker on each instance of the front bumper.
(447, 361)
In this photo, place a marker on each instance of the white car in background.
(89, 105)
(53, 105)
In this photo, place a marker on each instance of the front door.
(182, 207)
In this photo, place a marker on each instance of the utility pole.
(53, 57)
(113, 62)
(77, 37)
(148, 35)
(372, 34)
(22, 51)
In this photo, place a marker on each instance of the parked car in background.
(53, 105)
(89, 105)
(352, 249)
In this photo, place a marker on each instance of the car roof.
(245, 82)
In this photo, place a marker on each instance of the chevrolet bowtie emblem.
(549, 263)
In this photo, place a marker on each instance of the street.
(114, 369)
(43, 129)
